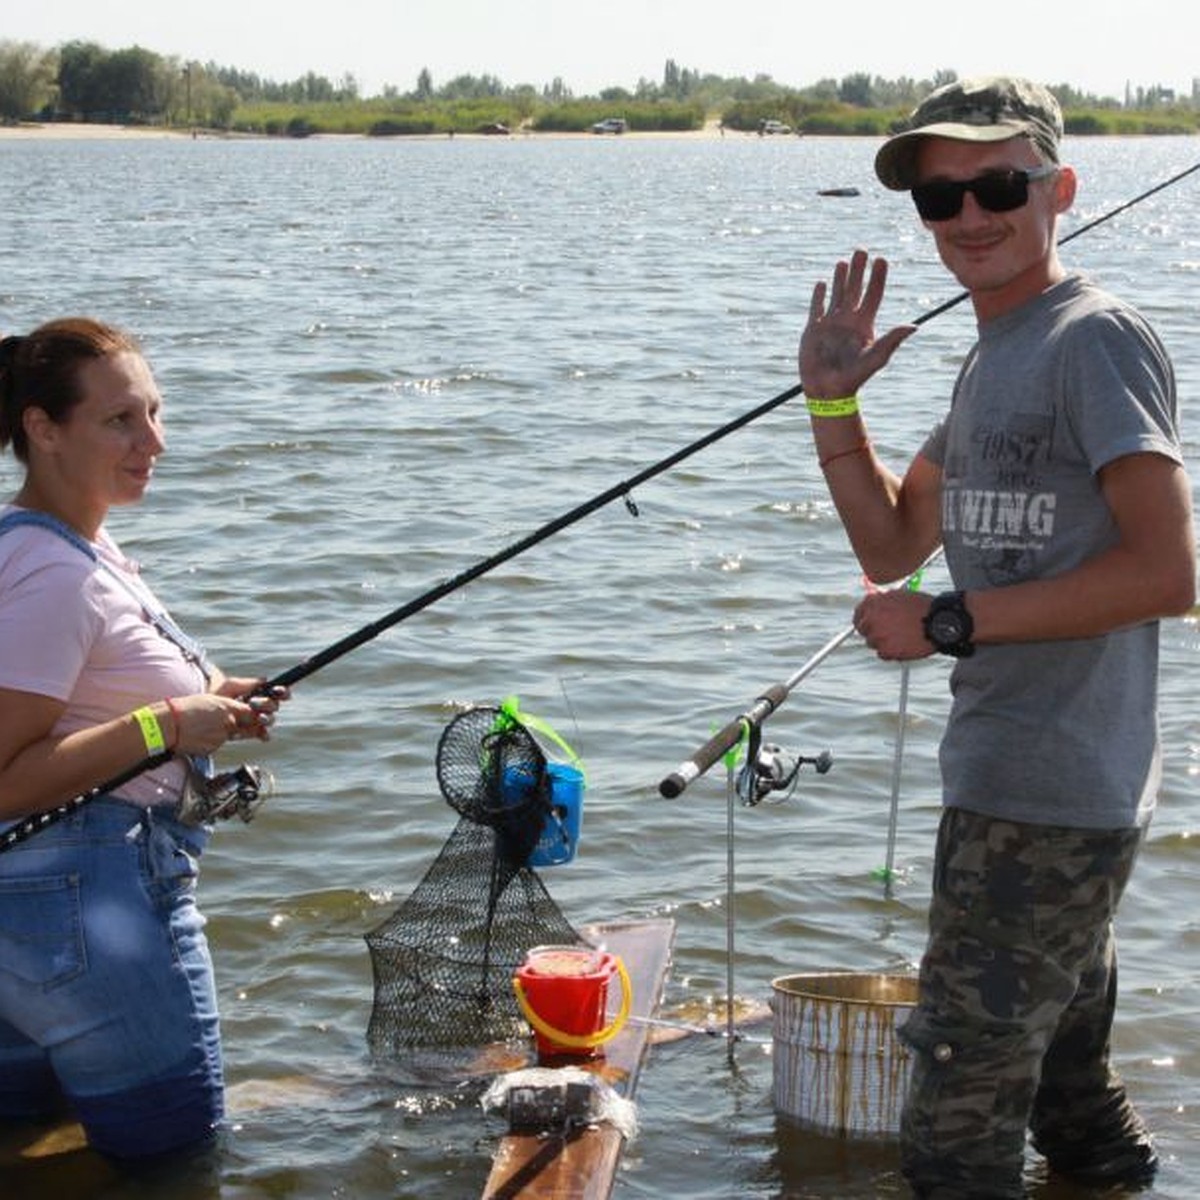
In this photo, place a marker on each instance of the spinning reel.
(236, 793)
(769, 768)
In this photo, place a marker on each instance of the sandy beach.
(78, 130)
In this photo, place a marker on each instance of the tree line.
(83, 81)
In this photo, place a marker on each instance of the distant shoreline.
(84, 131)
(79, 131)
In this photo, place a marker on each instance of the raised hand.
(839, 351)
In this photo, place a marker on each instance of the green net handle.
(511, 708)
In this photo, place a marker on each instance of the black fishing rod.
(619, 490)
(309, 666)
(730, 734)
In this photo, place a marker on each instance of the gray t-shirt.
(1054, 732)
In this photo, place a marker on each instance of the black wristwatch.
(949, 627)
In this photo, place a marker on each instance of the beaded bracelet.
(865, 444)
(175, 720)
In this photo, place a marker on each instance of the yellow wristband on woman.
(843, 406)
(152, 733)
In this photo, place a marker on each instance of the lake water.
(386, 361)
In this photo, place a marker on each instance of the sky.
(1096, 46)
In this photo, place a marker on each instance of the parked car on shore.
(767, 128)
(611, 125)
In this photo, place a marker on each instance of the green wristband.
(152, 733)
(843, 406)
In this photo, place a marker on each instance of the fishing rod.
(621, 490)
(27, 827)
(729, 735)
(764, 705)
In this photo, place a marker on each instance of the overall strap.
(28, 516)
(18, 831)
(188, 646)
(24, 829)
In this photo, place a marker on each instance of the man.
(1056, 485)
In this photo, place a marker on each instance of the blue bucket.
(560, 833)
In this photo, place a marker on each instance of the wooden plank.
(582, 1164)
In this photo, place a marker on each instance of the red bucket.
(563, 992)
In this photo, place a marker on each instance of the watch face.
(945, 627)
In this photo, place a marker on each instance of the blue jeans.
(107, 996)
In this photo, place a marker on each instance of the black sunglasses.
(997, 192)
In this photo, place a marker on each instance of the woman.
(107, 998)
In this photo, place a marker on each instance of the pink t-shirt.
(80, 632)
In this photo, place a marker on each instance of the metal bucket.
(837, 1065)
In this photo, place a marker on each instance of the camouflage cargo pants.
(1017, 991)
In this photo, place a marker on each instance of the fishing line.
(687, 1028)
(27, 827)
(888, 872)
(730, 902)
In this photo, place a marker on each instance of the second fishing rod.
(621, 490)
(748, 724)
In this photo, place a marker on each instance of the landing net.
(444, 961)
